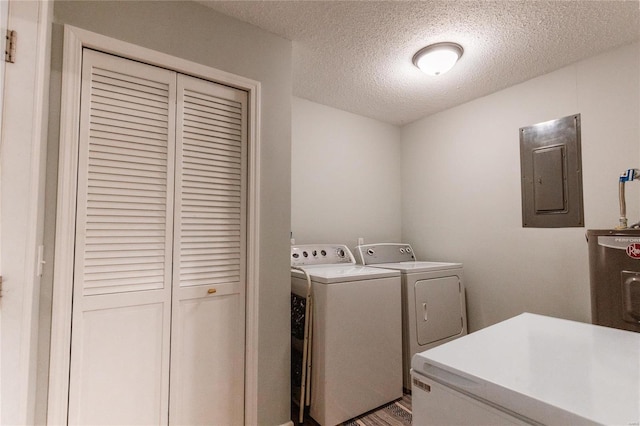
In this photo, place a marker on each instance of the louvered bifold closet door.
(123, 260)
(207, 350)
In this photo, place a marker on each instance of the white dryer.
(433, 298)
(356, 349)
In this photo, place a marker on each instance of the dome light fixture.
(437, 58)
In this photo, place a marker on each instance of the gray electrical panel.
(551, 172)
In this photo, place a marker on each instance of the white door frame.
(24, 146)
(75, 39)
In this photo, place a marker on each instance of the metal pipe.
(623, 206)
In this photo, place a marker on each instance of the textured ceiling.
(356, 55)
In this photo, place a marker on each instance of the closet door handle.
(211, 291)
(424, 309)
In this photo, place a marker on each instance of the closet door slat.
(200, 163)
(128, 164)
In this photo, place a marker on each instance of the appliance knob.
(408, 249)
(305, 254)
(341, 253)
(323, 252)
(315, 253)
(402, 250)
(295, 255)
(371, 252)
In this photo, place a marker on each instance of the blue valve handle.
(630, 175)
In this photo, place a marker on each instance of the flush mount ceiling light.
(438, 58)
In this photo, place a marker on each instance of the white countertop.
(546, 369)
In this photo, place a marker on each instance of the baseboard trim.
(289, 423)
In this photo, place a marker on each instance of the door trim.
(75, 39)
(24, 109)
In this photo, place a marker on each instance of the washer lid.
(329, 274)
(549, 370)
(418, 266)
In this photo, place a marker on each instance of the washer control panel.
(321, 254)
(371, 254)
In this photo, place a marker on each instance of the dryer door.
(437, 309)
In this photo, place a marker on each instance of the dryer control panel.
(371, 254)
(321, 254)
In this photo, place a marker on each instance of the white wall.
(461, 187)
(345, 176)
(191, 31)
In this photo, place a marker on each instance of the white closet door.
(208, 329)
(122, 283)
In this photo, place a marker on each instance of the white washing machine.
(433, 298)
(530, 370)
(356, 331)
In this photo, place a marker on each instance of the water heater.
(614, 273)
